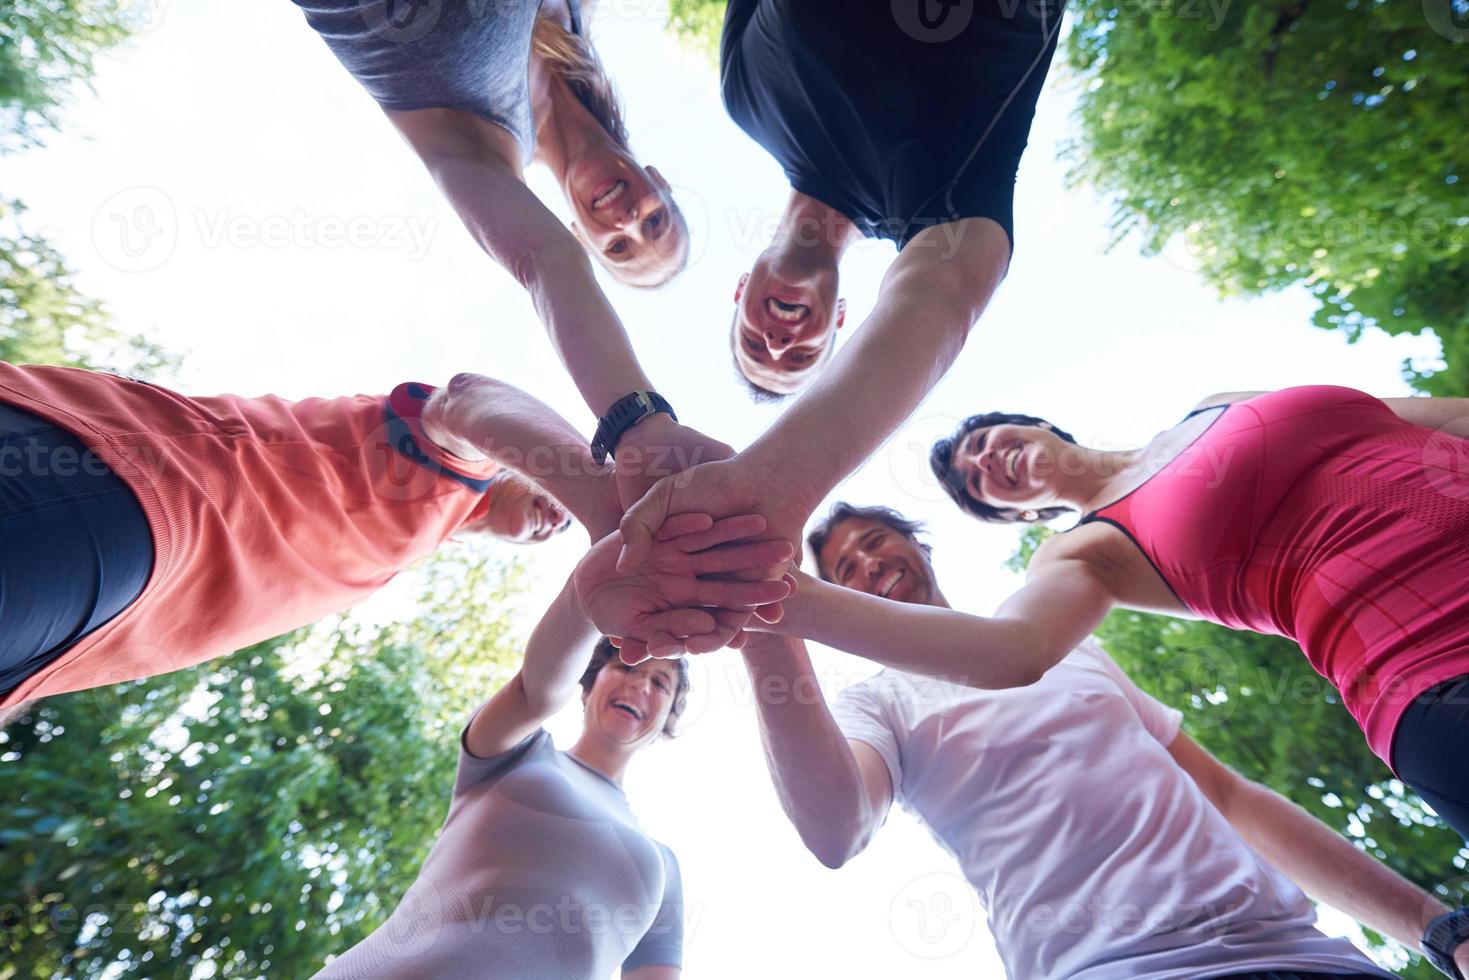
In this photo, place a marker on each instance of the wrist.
(649, 428)
(623, 417)
(795, 488)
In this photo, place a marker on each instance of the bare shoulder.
(1101, 548)
(1226, 398)
(1078, 544)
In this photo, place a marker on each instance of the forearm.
(957, 647)
(520, 233)
(1450, 415)
(557, 653)
(923, 316)
(810, 762)
(1329, 868)
(482, 416)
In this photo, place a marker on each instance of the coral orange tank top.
(266, 514)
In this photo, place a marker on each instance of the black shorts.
(75, 546)
(1430, 750)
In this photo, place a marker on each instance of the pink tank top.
(1317, 514)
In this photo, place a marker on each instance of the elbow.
(535, 264)
(835, 844)
(833, 851)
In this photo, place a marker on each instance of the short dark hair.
(941, 460)
(843, 511)
(604, 652)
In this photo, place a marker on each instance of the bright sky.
(232, 192)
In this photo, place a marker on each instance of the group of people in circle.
(1103, 841)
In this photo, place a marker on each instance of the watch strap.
(623, 415)
(1442, 939)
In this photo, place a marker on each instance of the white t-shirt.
(1095, 854)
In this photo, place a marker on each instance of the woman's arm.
(1450, 415)
(476, 165)
(1030, 633)
(555, 657)
(474, 416)
(1311, 854)
(835, 791)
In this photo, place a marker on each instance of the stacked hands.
(701, 550)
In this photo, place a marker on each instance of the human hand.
(659, 447)
(670, 605)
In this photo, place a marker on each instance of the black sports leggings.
(75, 547)
(1430, 750)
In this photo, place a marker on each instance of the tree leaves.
(253, 814)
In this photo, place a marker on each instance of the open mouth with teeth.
(609, 195)
(628, 709)
(889, 582)
(1012, 465)
(788, 313)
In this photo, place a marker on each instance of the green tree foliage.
(698, 24)
(247, 817)
(1255, 703)
(46, 319)
(46, 48)
(1301, 142)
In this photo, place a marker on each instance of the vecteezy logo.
(1445, 461)
(1449, 18)
(402, 21)
(934, 916)
(933, 21)
(136, 230)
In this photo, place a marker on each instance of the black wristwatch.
(625, 414)
(1442, 939)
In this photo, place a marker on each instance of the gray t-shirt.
(540, 872)
(1095, 855)
(472, 55)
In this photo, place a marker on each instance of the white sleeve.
(1161, 721)
(863, 712)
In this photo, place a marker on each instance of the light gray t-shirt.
(472, 55)
(1094, 853)
(540, 872)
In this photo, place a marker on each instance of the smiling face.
(785, 324)
(520, 514)
(630, 705)
(869, 556)
(1010, 466)
(626, 217)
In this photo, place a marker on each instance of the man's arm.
(930, 299)
(1321, 861)
(653, 973)
(837, 792)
